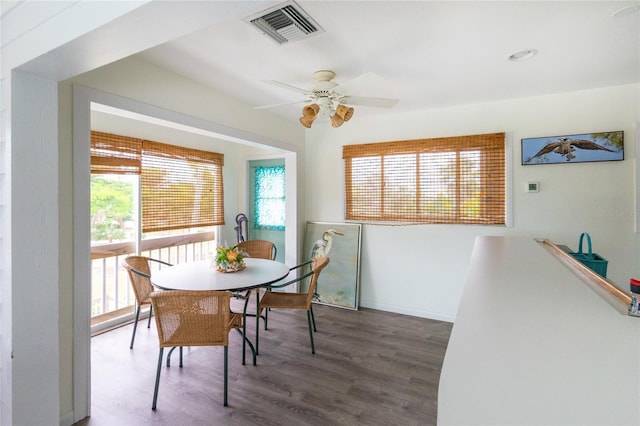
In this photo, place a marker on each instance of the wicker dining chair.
(237, 323)
(193, 318)
(139, 270)
(261, 249)
(287, 300)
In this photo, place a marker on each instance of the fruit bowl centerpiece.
(229, 259)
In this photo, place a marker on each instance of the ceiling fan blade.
(289, 87)
(281, 104)
(367, 101)
(360, 84)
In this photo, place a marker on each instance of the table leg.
(245, 339)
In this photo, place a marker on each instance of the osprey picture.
(587, 147)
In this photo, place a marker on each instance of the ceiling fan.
(331, 99)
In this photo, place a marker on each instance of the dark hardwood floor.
(370, 368)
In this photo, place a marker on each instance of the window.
(181, 187)
(115, 166)
(269, 198)
(172, 194)
(457, 180)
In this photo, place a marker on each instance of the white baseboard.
(67, 419)
(407, 311)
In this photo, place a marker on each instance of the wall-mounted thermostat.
(533, 187)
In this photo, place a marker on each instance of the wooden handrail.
(104, 251)
(116, 249)
(604, 287)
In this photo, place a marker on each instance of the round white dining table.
(201, 275)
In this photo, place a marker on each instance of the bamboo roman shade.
(180, 187)
(458, 180)
(115, 154)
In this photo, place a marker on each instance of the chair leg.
(135, 326)
(266, 314)
(169, 356)
(155, 390)
(244, 332)
(150, 312)
(247, 342)
(258, 322)
(313, 349)
(244, 342)
(313, 318)
(226, 359)
(266, 317)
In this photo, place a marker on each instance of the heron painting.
(338, 284)
(586, 147)
(322, 247)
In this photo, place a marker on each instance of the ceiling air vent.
(285, 23)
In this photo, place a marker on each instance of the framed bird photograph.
(339, 282)
(582, 148)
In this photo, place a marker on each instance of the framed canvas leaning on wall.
(339, 283)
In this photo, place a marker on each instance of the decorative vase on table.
(229, 259)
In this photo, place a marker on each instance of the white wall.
(420, 270)
(136, 79)
(34, 211)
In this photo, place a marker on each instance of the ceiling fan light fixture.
(344, 112)
(336, 120)
(311, 111)
(331, 100)
(306, 121)
(309, 114)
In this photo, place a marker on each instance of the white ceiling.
(428, 54)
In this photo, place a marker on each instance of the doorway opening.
(88, 101)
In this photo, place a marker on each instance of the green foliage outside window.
(111, 208)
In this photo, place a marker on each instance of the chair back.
(192, 318)
(317, 265)
(140, 276)
(261, 249)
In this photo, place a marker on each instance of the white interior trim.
(81, 255)
(637, 177)
(508, 172)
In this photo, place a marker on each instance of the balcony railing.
(111, 293)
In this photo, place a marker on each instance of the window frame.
(257, 198)
(493, 198)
